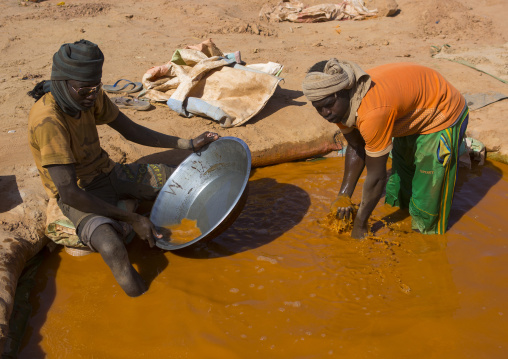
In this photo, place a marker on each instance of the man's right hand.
(145, 229)
(203, 139)
(342, 207)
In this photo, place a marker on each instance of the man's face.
(334, 107)
(84, 93)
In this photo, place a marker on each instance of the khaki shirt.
(56, 138)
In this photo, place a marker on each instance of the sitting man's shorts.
(73, 228)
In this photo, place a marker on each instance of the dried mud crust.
(238, 27)
(64, 12)
(21, 229)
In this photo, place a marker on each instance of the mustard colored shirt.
(56, 138)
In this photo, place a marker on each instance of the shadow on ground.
(280, 99)
(168, 157)
(272, 209)
(150, 262)
(471, 187)
(10, 193)
(42, 296)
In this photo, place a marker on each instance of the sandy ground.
(136, 35)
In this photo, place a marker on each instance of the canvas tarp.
(216, 87)
(296, 11)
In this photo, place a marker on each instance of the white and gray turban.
(338, 75)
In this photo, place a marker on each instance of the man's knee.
(96, 230)
(107, 241)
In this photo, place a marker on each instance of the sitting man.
(406, 109)
(79, 174)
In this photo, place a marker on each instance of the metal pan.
(209, 186)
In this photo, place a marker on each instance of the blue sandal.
(128, 87)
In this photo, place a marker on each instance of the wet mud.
(279, 284)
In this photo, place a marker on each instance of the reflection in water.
(279, 284)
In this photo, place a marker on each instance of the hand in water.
(342, 207)
(203, 139)
(145, 229)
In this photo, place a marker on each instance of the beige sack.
(209, 88)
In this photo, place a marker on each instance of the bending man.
(79, 174)
(406, 109)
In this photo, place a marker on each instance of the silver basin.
(209, 186)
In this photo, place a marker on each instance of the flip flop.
(131, 103)
(128, 87)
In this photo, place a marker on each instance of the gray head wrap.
(80, 61)
(338, 75)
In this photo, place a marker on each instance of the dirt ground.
(136, 35)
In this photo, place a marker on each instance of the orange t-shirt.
(405, 99)
(57, 139)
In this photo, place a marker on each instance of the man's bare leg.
(106, 240)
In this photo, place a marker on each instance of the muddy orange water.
(277, 284)
(183, 232)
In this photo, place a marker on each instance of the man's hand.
(342, 207)
(203, 139)
(145, 229)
